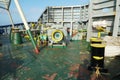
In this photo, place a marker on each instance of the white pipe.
(11, 20)
(71, 28)
(21, 14)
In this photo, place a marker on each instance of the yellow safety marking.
(61, 35)
(97, 57)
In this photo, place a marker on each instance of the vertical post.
(11, 20)
(26, 25)
(71, 27)
(117, 17)
(99, 34)
(89, 28)
(62, 22)
(48, 18)
(6, 30)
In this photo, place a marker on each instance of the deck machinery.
(57, 35)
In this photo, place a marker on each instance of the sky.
(33, 9)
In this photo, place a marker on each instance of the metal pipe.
(11, 20)
(8, 11)
(21, 14)
(26, 25)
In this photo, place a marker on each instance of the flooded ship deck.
(19, 62)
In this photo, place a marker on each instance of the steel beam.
(89, 28)
(117, 17)
(26, 25)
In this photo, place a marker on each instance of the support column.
(117, 17)
(71, 27)
(26, 26)
(89, 28)
(48, 15)
(62, 22)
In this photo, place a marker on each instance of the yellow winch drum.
(97, 55)
(57, 35)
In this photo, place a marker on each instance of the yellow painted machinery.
(100, 26)
(57, 35)
(97, 47)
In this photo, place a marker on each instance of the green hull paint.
(33, 42)
(19, 62)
